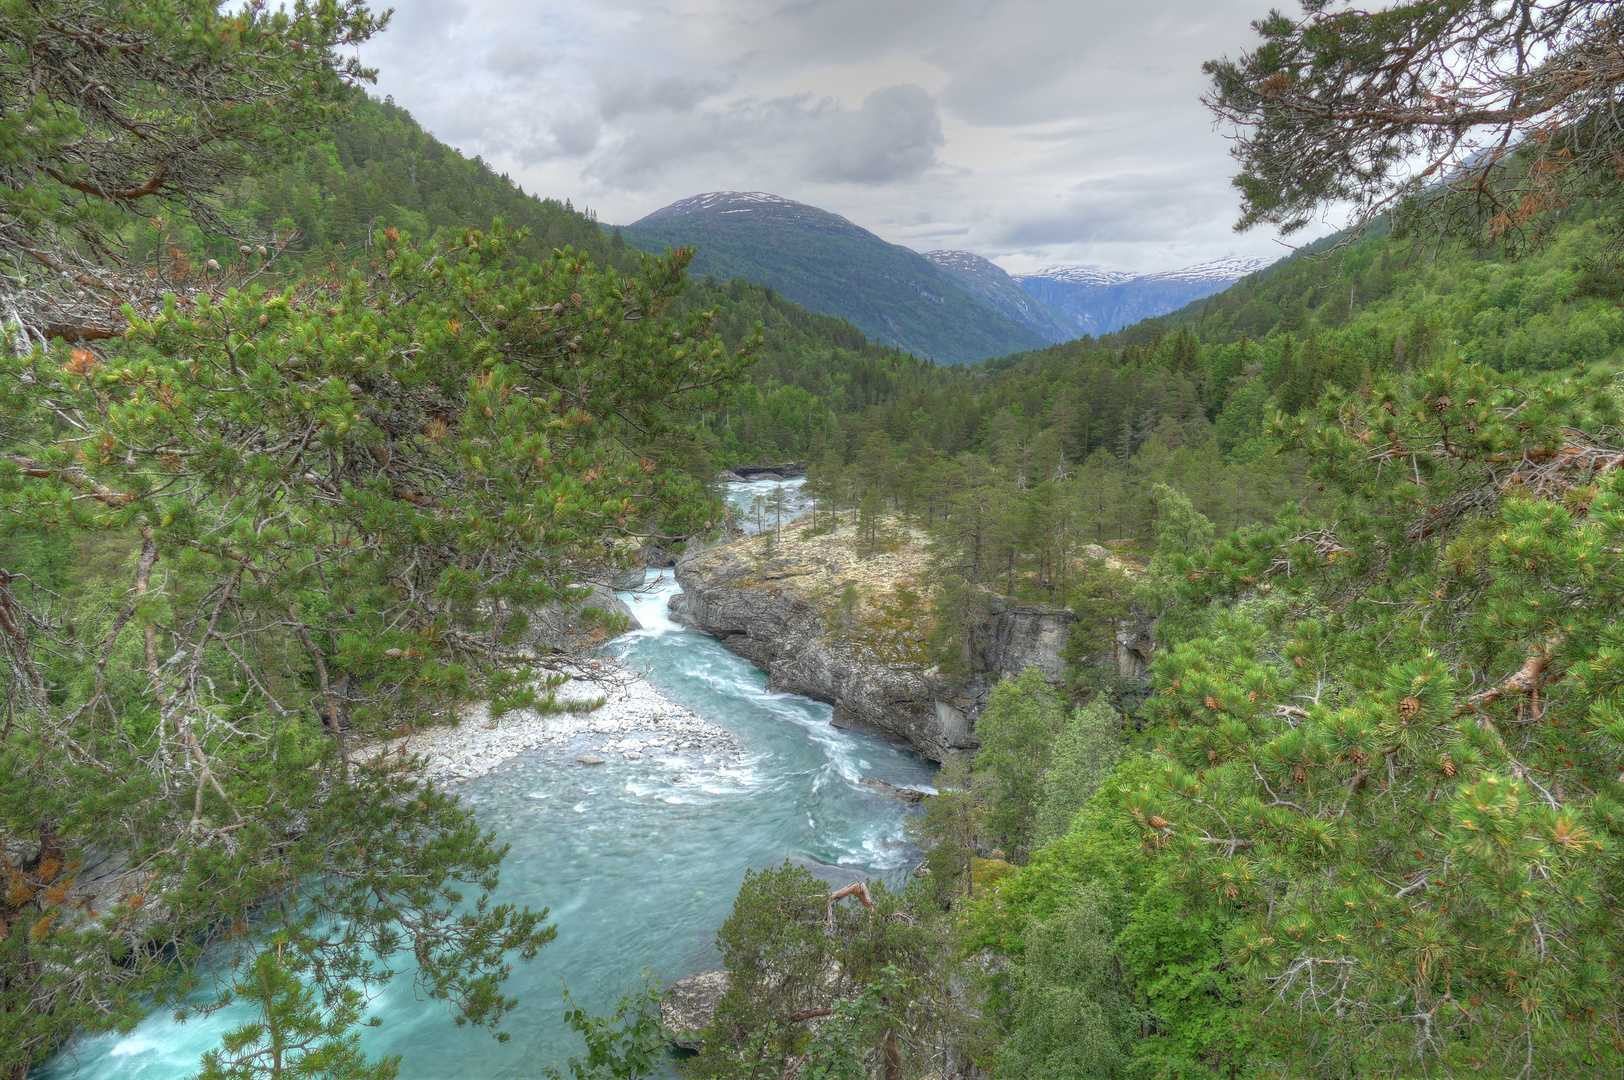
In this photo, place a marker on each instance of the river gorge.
(637, 858)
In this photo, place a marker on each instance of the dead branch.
(1544, 473)
(858, 889)
(1534, 674)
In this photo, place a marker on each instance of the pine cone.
(1441, 402)
(1409, 707)
(1210, 702)
(1448, 767)
(1158, 822)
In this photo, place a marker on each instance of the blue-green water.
(636, 871)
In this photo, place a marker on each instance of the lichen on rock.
(827, 618)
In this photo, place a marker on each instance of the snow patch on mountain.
(1102, 301)
(734, 202)
(1226, 270)
(989, 283)
(1087, 276)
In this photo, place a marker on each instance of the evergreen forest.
(305, 421)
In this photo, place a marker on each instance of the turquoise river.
(636, 872)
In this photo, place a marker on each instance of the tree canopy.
(1493, 114)
(247, 533)
(110, 110)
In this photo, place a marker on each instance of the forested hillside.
(1414, 300)
(1359, 818)
(830, 265)
(1366, 823)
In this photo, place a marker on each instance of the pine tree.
(150, 108)
(321, 517)
(1394, 760)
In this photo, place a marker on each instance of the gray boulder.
(632, 577)
(906, 794)
(657, 556)
(689, 1007)
(582, 624)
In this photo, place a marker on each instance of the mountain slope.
(825, 263)
(1101, 301)
(379, 167)
(988, 282)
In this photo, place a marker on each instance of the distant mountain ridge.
(950, 306)
(988, 282)
(827, 264)
(1101, 301)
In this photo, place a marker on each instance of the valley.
(434, 621)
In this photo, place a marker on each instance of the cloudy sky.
(1034, 132)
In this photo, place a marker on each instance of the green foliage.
(1071, 1016)
(1017, 730)
(950, 831)
(1414, 768)
(297, 1035)
(1108, 941)
(1084, 751)
(875, 972)
(322, 515)
(1320, 803)
(845, 609)
(1182, 534)
(1102, 600)
(378, 168)
(1385, 774)
(860, 1030)
(627, 1044)
(165, 104)
(1387, 304)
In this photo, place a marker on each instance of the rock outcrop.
(689, 1006)
(827, 624)
(571, 627)
(1008, 639)
(851, 630)
(906, 794)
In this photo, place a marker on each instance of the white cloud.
(1029, 131)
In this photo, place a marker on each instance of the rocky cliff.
(850, 629)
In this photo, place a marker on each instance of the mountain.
(826, 264)
(1101, 301)
(988, 282)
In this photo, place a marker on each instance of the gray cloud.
(893, 136)
(1030, 131)
(628, 94)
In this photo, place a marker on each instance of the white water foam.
(637, 867)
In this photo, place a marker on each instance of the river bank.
(637, 860)
(635, 721)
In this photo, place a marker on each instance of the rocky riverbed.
(636, 721)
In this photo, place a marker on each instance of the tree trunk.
(893, 1056)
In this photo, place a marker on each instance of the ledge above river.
(851, 629)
